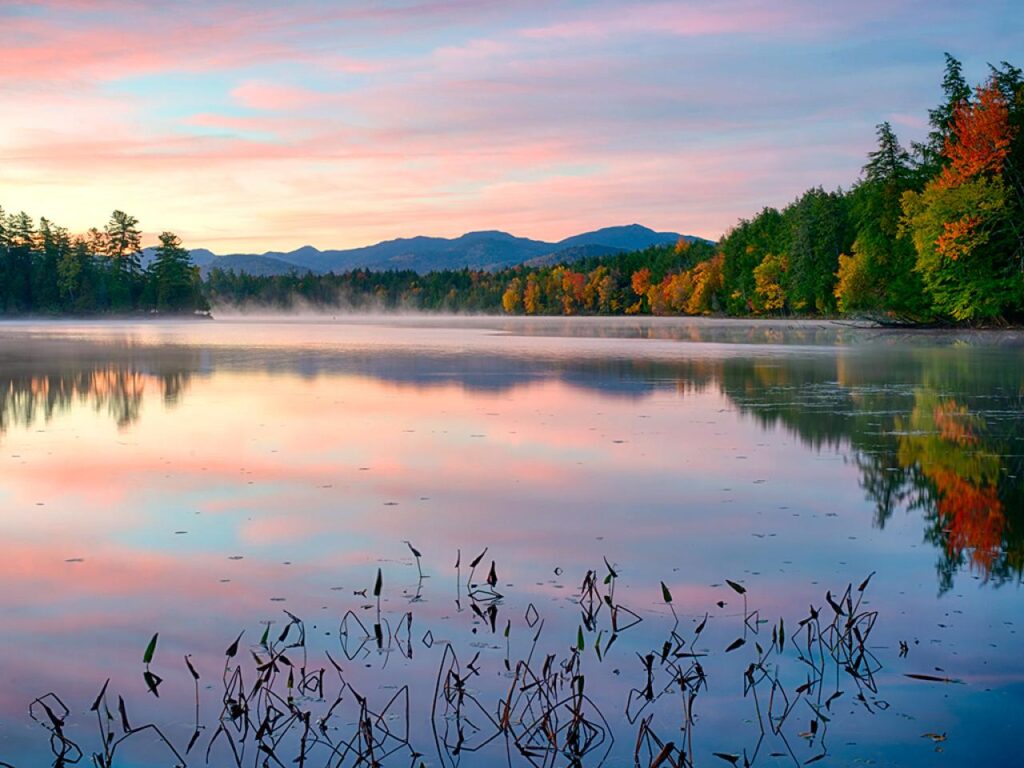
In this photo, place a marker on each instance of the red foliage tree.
(980, 138)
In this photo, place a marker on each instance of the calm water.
(200, 479)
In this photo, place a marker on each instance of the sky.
(260, 125)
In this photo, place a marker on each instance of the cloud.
(252, 126)
(256, 94)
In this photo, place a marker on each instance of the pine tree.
(123, 244)
(173, 276)
(957, 91)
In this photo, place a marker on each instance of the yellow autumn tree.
(708, 281)
(531, 296)
(512, 298)
(768, 282)
(854, 285)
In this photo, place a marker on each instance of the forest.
(46, 270)
(930, 233)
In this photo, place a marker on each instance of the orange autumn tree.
(980, 139)
(694, 291)
(641, 283)
(962, 224)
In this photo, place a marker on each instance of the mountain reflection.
(935, 431)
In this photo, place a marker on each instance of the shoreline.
(723, 321)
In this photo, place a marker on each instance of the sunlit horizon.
(254, 128)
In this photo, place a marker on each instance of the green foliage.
(966, 276)
(173, 276)
(45, 270)
(880, 273)
(744, 248)
(819, 233)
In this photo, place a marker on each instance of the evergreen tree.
(956, 92)
(123, 247)
(53, 243)
(879, 274)
(173, 277)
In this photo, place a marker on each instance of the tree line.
(934, 232)
(46, 270)
(930, 233)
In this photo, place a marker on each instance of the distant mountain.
(489, 250)
(632, 237)
(248, 263)
(252, 265)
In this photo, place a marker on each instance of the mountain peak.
(487, 234)
(487, 249)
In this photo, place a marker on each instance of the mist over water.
(195, 479)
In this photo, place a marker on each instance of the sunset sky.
(248, 126)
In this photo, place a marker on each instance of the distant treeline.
(596, 285)
(933, 233)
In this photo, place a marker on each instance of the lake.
(483, 541)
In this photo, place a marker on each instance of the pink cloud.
(678, 19)
(537, 118)
(257, 94)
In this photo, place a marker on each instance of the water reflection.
(195, 480)
(42, 380)
(934, 430)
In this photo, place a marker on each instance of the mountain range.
(487, 250)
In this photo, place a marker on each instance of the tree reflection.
(30, 396)
(913, 421)
(934, 431)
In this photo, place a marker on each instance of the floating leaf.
(738, 588)
(479, 557)
(835, 606)
(233, 648)
(96, 704)
(739, 641)
(124, 715)
(147, 657)
(931, 678)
